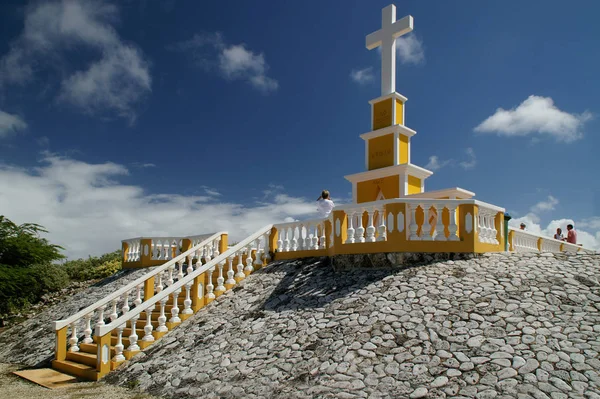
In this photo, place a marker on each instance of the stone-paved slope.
(499, 326)
(32, 342)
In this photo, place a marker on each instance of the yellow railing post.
(511, 237)
(468, 225)
(499, 226)
(198, 300)
(539, 244)
(103, 355)
(397, 235)
(148, 288)
(186, 245)
(273, 237)
(60, 351)
(328, 229)
(125, 250)
(339, 236)
(223, 244)
(145, 252)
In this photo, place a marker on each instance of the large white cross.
(386, 38)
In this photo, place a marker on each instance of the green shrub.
(21, 245)
(94, 267)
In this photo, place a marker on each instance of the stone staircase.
(163, 298)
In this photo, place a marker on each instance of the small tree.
(21, 245)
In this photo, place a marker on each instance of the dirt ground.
(14, 387)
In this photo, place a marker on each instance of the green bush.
(22, 286)
(94, 267)
(20, 245)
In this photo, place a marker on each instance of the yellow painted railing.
(398, 225)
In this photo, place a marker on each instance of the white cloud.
(410, 49)
(116, 81)
(591, 223)
(472, 160)
(88, 211)
(536, 115)
(233, 61)
(435, 163)
(362, 76)
(10, 124)
(547, 205)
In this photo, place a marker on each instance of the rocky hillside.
(31, 343)
(498, 326)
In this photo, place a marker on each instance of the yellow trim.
(61, 344)
(148, 288)
(414, 185)
(399, 112)
(403, 149)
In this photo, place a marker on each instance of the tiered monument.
(390, 174)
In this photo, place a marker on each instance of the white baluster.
(295, 239)
(216, 247)
(100, 315)
(371, 227)
(350, 231)
(190, 267)
(240, 266)
(220, 279)
(382, 229)
(210, 287)
(148, 337)
(138, 295)
(162, 319)
(286, 242)
(175, 309)
(118, 357)
(125, 307)
(493, 231)
(258, 261)
(331, 232)
(159, 283)
(280, 246)
(180, 270)
(230, 272)
(208, 255)
(300, 239)
(113, 313)
(440, 234)
(426, 227)
(359, 235)
(158, 249)
(198, 256)
(73, 340)
(315, 237)
(88, 329)
(413, 227)
(249, 268)
(452, 227)
(152, 250)
(187, 304)
(133, 346)
(267, 249)
(170, 272)
(322, 237)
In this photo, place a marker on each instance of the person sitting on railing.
(523, 226)
(571, 235)
(559, 235)
(324, 204)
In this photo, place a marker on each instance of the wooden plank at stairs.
(76, 369)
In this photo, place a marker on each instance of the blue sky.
(121, 119)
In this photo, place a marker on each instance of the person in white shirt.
(559, 235)
(324, 205)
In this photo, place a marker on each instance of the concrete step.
(76, 369)
(88, 359)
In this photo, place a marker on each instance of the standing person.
(572, 235)
(324, 204)
(559, 235)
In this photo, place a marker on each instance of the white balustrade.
(133, 338)
(486, 225)
(524, 241)
(119, 346)
(220, 279)
(148, 337)
(551, 245)
(306, 235)
(133, 252)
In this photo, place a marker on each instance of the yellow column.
(61, 344)
(328, 230)
(468, 237)
(499, 225)
(510, 240)
(273, 237)
(145, 256)
(223, 243)
(148, 288)
(539, 244)
(103, 355)
(338, 240)
(198, 303)
(396, 238)
(124, 249)
(186, 245)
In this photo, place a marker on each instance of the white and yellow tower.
(390, 174)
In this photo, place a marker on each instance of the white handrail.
(525, 232)
(105, 329)
(65, 322)
(296, 223)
